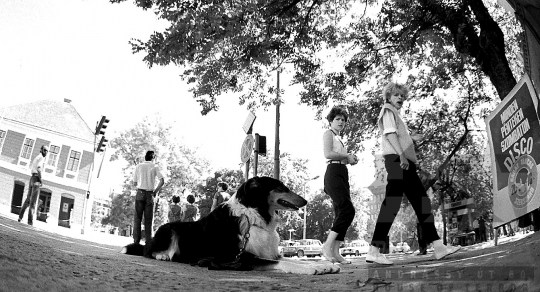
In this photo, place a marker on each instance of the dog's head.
(268, 195)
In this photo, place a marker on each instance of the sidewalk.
(89, 235)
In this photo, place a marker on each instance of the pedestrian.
(336, 183)
(220, 196)
(34, 184)
(476, 228)
(190, 212)
(144, 178)
(175, 210)
(482, 228)
(400, 164)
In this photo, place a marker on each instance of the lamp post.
(290, 233)
(305, 207)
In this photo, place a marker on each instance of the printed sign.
(514, 134)
(65, 207)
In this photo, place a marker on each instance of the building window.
(73, 162)
(27, 148)
(2, 136)
(53, 155)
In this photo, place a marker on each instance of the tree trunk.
(487, 48)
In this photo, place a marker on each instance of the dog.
(239, 234)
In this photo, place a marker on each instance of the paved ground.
(45, 258)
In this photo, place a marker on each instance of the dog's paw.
(161, 256)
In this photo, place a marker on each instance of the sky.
(79, 50)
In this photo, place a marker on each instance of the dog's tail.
(133, 249)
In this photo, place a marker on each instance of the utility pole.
(276, 147)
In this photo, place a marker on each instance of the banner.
(514, 133)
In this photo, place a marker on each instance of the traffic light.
(100, 129)
(260, 144)
(101, 146)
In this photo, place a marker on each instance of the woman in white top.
(336, 183)
(400, 163)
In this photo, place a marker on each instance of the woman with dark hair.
(190, 211)
(175, 210)
(336, 183)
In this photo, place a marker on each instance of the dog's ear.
(248, 188)
(253, 184)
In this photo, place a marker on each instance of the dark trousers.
(31, 198)
(144, 205)
(401, 182)
(336, 185)
(482, 234)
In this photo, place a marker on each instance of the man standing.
(144, 178)
(34, 185)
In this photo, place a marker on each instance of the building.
(68, 166)
(101, 208)
(377, 188)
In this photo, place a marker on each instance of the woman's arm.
(328, 145)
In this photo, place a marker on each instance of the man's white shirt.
(145, 175)
(37, 163)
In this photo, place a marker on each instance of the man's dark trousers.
(144, 205)
(31, 198)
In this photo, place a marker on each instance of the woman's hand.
(352, 159)
(404, 163)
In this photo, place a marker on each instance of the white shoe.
(443, 251)
(374, 256)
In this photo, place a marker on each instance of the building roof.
(56, 116)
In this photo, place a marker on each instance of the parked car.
(402, 247)
(309, 247)
(391, 248)
(288, 248)
(356, 247)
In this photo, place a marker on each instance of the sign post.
(514, 134)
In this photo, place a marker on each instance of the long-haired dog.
(239, 234)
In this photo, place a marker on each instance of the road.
(33, 259)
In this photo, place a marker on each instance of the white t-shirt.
(145, 175)
(37, 164)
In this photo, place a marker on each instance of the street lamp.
(290, 233)
(305, 207)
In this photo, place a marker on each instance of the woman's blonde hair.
(393, 88)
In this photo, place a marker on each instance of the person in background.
(476, 229)
(144, 178)
(336, 184)
(190, 212)
(220, 196)
(482, 228)
(175, 210)
(34, 185)
(400, 163)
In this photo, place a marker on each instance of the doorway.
(17, 197)
(66, 205)
(44, 205)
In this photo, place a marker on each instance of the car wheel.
(300, 253)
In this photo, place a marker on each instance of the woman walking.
(400, 163)
(336, 184)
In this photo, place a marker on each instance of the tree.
(122, 211)
(233, 45)
(180, 165)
